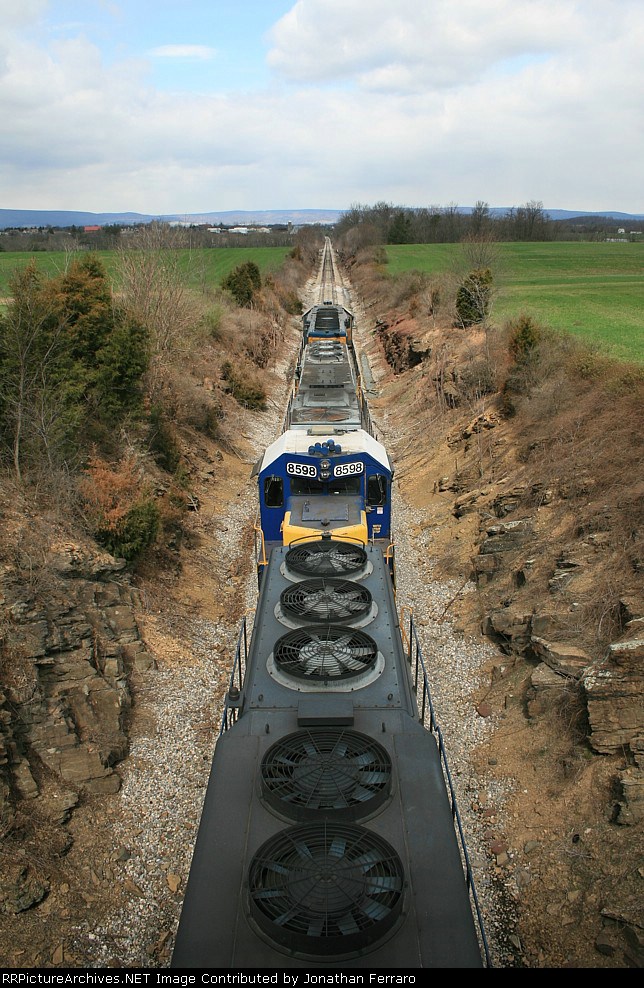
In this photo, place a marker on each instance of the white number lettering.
(345, 469)
(302, 469)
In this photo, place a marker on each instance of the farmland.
(203, 268)
(594, 290)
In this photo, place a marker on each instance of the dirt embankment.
(528, 485)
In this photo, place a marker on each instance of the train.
(330, 836)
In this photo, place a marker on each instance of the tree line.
(385, 223)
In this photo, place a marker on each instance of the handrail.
(236, 682)
(260, 556)
(313, 537)
(420, 678)
(403, 630)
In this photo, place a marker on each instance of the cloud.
(199, 52)
(407, 46)
(422, 104)
(16, 14)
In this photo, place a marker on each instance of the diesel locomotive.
(330, 836)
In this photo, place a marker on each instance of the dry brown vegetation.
(548, 436)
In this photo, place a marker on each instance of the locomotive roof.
(298, 442)
(326, 306)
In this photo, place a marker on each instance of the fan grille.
(328, 599)
(330, 653)
(326, 770)
(326, 888)
(327, 558)
(317, 414)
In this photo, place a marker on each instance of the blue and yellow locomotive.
(339, 486)
(328, 321)
(327, 474)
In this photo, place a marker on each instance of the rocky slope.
(539, 540)
(112, 687)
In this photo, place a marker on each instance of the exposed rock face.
(69, 640)
(403, 343)
(611, 685)
(613, 688)
(614, 696)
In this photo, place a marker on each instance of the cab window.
(273, 492)
(377, 489)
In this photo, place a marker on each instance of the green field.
(203, 267)
(594, 290)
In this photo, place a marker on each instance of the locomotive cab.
(340, 487)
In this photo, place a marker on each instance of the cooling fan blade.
(326, 558)
(326, 888)
(328, 599)
(329, 653)
(334, 771)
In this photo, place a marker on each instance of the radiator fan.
(328, 599)
(323, 654)
(326, 770)
(326, 888)
(326, 351)
(317, 414)
(326, 558)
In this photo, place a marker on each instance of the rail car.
(327, 389)
(329, 834)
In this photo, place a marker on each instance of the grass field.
(595, 290)
(203, 267)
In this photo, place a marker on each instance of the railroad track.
(328, 281)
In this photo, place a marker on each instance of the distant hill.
(27, 218)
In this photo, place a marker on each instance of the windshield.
(337, 485)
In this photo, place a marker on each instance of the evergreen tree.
(473, 297)
(243, 282)
(71, 364)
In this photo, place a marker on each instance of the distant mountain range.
(27, 218)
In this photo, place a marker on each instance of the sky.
(160, 106)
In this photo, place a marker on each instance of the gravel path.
(155, 816)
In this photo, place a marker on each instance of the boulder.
(545, 684)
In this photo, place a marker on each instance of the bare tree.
(30, 341)
(153, 286)
(480, 250)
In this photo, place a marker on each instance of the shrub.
(525, 337)
(212, 324)
(291, 302)
(123, 517)
(243, 386)
(409, 285)
(161, 441)
(205, 415)
(478, 379)
(137, 531)
(242, 283)
(473, 297)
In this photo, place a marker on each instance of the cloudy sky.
(160, 106)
